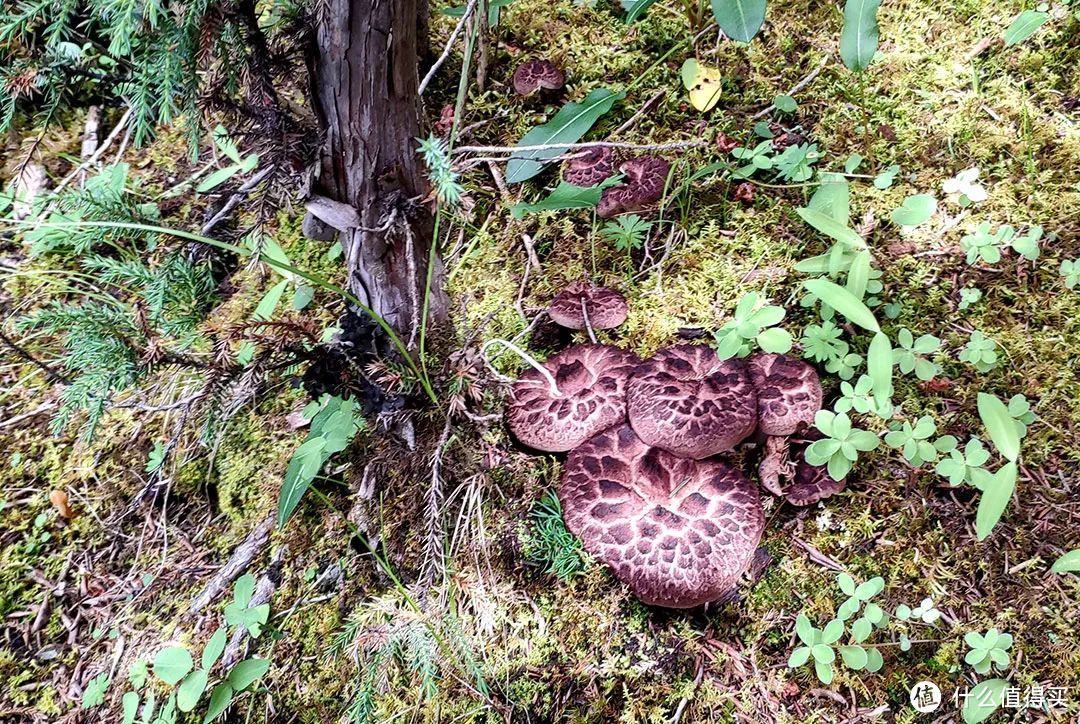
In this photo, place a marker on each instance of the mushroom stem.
(588, 322)
(524, 356)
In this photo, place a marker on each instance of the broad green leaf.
(739, 19)
(869, 589)
(843, 302)
(217, 178)
(860, 630)
(246, 672)
(915, 210)
(563, 196)
(999, 425)
(832, 228)
(191, 690)
(1024, 26)
(225, 144)
(983, 700)
(824, 672)
(263, 311)
(854, 657)
(832, 631)
(994, 500)
(874, 660)
(635, 9)
(220, 698)
(303, 296)
(214, 648)
(785, 104)
(799, 657)
(859, 38)
(846, 583)
(243, 590)
(879, 366)
(1070, 562)
(775, 340)
(172, 664)
(823, 654)
(804, 629)
(130, 707)
(832, 197)
(859, 274)
(567, 126)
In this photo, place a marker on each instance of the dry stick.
(27, 415)
(640, 113)
(241, 558)
(449, 47)
(235, 200)
(264, 589)
(588, 322)
(525, 357)
(97, 154)
(798, 86)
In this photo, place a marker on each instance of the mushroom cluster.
(642, 485)
(642, 186)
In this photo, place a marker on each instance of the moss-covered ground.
(496, 636)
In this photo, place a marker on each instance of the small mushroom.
(678, 532)
(811, 482)
(575, 394)
(642, 187)
(582, 305)
(691, 403)
(592, 167)
(537, 73)
(788, 393)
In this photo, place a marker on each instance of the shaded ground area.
(498, 634)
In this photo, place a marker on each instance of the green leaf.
(217, 178)
(874, 661)
(635, 9)
(859, 38)
(785, 104)
(879, 365)
(869, 589)
(263, 312)
(563, 196)
(130, 706)
(832, 197)
(1024, 26)
(798, 657)
(859, 274)
(303, 296)
(172, 664)
(94, 694)
(246, 672)
(831, 228)
(832, 631)
(225, 144)
(243, 590)
(824, 672)
(823, 654)
(844, 302)
(804, 629)
(854, 657)
(1070, 562)
(220, 698)
(846, 583)
(739, 19)
(994, 500)
(191, 690)
(915, 210)
(999, 425)
(860, 630)
(567, 126)
(984, 700)
(775, 340)
(214, 648)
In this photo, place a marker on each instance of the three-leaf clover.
(1070, 272)
(969, 296)
(817, 645)
(1027, 245)
(980, 352)
(913, 441)
(844, 367)
(860, 397)
(842, 444)
(967, 466)
(237, 613)
(1020, 410)
(753, 324)
(989, 648)
(909, 356)
(986, 244)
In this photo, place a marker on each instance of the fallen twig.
(241, 558)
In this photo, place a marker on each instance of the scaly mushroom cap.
(788, 393)
(678, 532)
(592, 397)
(687, 401)
(643, 186)
(812, 482)
(606, 308)
(590, 168)
(532, 75)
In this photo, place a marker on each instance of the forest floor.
(517, 623)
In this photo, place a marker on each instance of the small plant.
(821, 342)
(925, 612)
(986, 649)
(980, 351)
(841, 447)
(550, 543)
(964, 187)
(753, 325)
(910, 356)
(440, 170)
(985, 244)
(844, 366)
(627, 232)
(969, 296)
(1070, 272)
(966, 466)
(796, 162)
(1027, 245)
(860, 398)
(913, 441)
(1020, 410)
(758, 158)
(818, 644)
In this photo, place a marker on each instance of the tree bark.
(365, 81)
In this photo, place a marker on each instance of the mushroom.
(788, 393)
(678, 532)
(811, 482)
(691, 403)
(591, 168)
(643, 186)
(582, 305)
(575, 394)
(532, 75)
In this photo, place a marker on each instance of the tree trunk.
(365, 83)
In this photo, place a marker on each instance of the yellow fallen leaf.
(703, 83)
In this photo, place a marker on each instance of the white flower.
(964, 187)
(926, 611)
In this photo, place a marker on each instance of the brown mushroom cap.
(687, 401)
(788, 393)
(591, 379)
(812, 482)
(590, 168)
(537, 73)
(606, 308)
(642, 187)
(678, 532)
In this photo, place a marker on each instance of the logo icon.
(925, 697)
